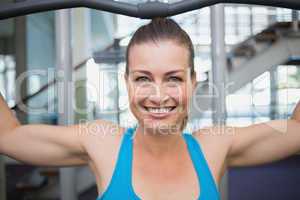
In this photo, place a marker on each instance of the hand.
(8, 120)
(296, 112)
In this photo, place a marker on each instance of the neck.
(159, 145)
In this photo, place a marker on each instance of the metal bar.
(2, 179)
(117, 47)
(20, 36)
(218, 76)
(147, 10)
(295, 22)
(65, 96)
(34, 6)
(218, 62)
(82, 50)
(274, 93)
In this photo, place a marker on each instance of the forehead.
(162, 56)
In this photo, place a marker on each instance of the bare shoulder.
(215, 142)
(215, 139)
(216, 135)
(100, 134)
(100, 127)
(102, 142)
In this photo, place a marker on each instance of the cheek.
(140, 93)
(179, 94)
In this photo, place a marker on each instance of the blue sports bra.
(120, 186)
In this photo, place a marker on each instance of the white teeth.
(159, 110)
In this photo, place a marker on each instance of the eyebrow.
(149, 73)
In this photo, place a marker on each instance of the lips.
(160, 109)
(159, 112)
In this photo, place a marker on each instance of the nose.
(158, 95)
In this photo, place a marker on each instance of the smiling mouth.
(159, 110)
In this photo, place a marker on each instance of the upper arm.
(47, 145)
(215, 143)
(263, 143)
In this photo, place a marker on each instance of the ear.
(126, 80)
(194, 81)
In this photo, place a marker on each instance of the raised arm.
(44, 145)
(7, 119)
(296, 113)
(265, 142)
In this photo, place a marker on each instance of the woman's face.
(159, 84)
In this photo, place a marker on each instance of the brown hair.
(162, 29)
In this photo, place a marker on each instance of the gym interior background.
(262, 51)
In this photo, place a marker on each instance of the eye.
(142, 79)
(175, 79)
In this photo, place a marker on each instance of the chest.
(163, 180)
(152, 179)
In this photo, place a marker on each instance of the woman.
(154, 160)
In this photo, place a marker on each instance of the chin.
(160, 126)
